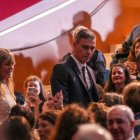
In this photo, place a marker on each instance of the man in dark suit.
(77, 86)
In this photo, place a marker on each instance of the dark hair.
(99, 111)
(20, 99)
(17, 128)
(131, 96)
(109, 87)
(111, 99)
(19, 110)
(82, 32)
(49, 116)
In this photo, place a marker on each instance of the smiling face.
(7, 62)
(119, 125)
(84, 50)
(118, 75)
(6, 70)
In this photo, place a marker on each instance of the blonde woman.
(7, 98)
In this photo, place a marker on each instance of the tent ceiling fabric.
(14, 12)
(11, 7)
(108, 20)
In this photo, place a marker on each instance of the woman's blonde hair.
(6, 56)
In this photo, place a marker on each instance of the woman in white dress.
(7, 98)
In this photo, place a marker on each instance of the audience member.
(111, 99)
(20, 98)
(121, 122)
(101, 92)
(7, 98)
(91, 132)
(17, 128)
(122, 53)
(135, 33)
(68, 121)
(19, 110)
(54, 103)
(98, 111)
(130, 64)
(77, 83)
(118, 78)
(138, 67)
(46, 123)
(131, 96)
(98, 64)
(35, 93)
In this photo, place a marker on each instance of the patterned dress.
(6, 103)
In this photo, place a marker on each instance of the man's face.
(84, 50)
(119, 125)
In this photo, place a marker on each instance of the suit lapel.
(77, 71)
(79, 75)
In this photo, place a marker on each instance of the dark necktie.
(84, 76)
(90, 85)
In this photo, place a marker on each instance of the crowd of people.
(81, 105)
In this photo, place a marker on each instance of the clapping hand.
(55, 102)
(58, 100)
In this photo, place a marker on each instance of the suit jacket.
(68, 78)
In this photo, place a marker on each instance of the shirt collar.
(78, 62)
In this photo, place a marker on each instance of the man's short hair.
(82, 32)
(124, 109)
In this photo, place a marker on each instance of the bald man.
(120, 122)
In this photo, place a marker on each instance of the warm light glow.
(37, 17)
